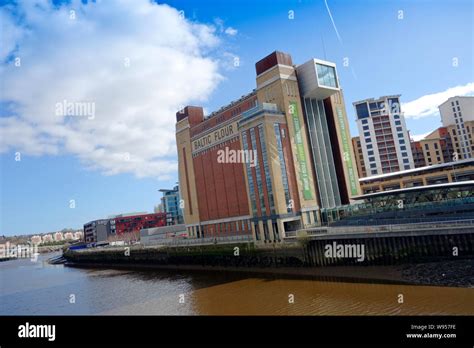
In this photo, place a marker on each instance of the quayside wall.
(378, 249)
(237, 255)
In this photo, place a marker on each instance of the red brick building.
(288, 174)
(125, 223)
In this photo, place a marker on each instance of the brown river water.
(36, 288)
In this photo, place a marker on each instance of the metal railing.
(422, 226)
(201, 241)
(364, 209)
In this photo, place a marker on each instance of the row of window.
(222, 229)
(256, 186)
(249, 176)
(284, 176)
(266, 169)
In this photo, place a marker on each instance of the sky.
(132, 64)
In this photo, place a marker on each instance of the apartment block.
(437, 147)
(359, 157)
(383, 135)
(457, 115)
(418, 154)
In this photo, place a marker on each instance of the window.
(457, 102)
(374, 172)
(266, 168)
(439, 159)
(362, 111)
(399, 129)
(407, 167)
(370, 153)
(371, 159)
(368, 140)
(366, 134)
(364, 121)
(400, 135)
(398, 123)
(373, 165)
(404, 154)
(326, 75)
(427, 147)
(369, 146)
(428, 153)
(365, 128)
(401, 141)
(251, 182)
(403, 148)
(405, 160)
(257, 231)
(284, 176)
(436, 146)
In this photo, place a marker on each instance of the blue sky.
(81, 160)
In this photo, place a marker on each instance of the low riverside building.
(97, 231)
(451, 201)
(461, 170)
(116, 226)
(157, 235)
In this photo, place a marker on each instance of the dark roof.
(415, 189)
(430, 168)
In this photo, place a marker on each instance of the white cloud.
(220, 26)
(231, 31)
(172, 63)
(427, 105)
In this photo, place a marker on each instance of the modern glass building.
(171, 205)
